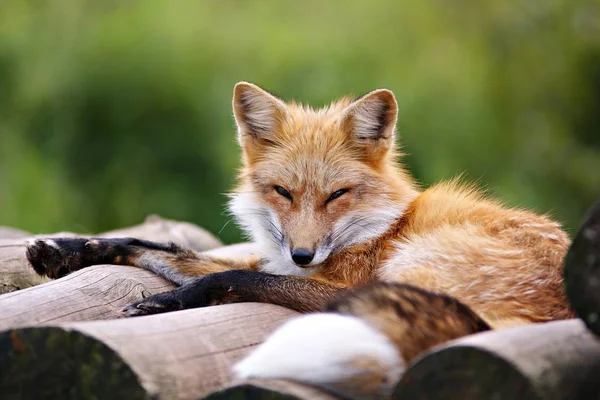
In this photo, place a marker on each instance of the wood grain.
(98, 292)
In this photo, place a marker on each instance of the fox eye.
(281, 191)
(336, 194)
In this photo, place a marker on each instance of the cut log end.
(464, 373)
(552, 360)
(242, 392)
(249, 392)
(180, 355)
(54, 363)
(262, 389)
(582, 271)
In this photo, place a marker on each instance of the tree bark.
(555, 360)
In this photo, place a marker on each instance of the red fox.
(391, 269)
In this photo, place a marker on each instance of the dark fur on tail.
(363, 342)
(414, 319)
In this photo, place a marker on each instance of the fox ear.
(371, 120)
(256, 111)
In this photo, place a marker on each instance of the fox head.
(316, 182)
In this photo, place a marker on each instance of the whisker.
(226, 223)
(341, 234)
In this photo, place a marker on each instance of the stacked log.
(98, 292)
(182, 355)
(16, 274)
(582, 271)
(64, 339)
(554, 360)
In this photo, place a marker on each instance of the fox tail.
(361, 345)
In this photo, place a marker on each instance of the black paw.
(56, 258)
(209, 290)
(159, 303)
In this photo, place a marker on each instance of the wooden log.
(263, 389)
(34, 327)
(12, 233)
(164, 230)
(179, 355)
(582, 271)
(15, 273)
(98, 292)
(555, 360)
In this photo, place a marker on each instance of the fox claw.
(157, 304)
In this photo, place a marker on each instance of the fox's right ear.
(257, 113)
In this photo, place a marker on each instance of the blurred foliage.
(112, 110)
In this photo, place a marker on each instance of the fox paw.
(157, 304)
(56, 258)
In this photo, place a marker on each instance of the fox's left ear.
(371, 120)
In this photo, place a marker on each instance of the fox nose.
(302, 256)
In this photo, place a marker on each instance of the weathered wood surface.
(552, 361)
(12, 233)
(15, 274)
(98, 292)
(188, 354)
(181, 355)
(582, 271)
(262, 389)
(45, 352)
(164, 230)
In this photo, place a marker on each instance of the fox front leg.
(296, 293)
(58, 257)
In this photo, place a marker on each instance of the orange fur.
(504, 263)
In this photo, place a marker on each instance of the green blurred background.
(113, 110)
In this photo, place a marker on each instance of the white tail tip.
(342, 353)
